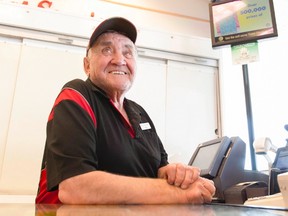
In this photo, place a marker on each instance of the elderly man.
(102, 148)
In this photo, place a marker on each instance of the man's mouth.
(118, 72)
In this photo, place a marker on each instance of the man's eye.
(107, 51)
(128, 54)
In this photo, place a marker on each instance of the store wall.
(191, 36)
(30, 83)
(268, 87)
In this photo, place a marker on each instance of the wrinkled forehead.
(113, 37)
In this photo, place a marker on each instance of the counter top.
(133, 210)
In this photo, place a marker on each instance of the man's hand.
(201, 191)
(179, 175)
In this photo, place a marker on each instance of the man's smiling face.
(111, 63)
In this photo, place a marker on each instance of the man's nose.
(118, 58)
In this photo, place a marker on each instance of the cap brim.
(118, 24)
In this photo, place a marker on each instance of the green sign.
(245, 53)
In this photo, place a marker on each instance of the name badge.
(145, 126)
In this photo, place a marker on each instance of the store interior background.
(190, 18)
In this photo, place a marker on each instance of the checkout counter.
(222, 160)
(134, 210)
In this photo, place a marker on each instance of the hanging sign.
(245, 53)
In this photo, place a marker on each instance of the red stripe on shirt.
(44, 196)
(77, 97)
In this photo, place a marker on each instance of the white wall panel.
(43, 69)
(191, 108)
(10, 50)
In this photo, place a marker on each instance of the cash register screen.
(209, 156)
(281, 160)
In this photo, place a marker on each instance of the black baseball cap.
(118, 24)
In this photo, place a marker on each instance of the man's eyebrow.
(129, 46)
(109, 43)
(105, 43)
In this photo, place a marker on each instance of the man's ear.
(86, 64)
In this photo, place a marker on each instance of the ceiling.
(195, 9)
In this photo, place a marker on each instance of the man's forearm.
(104, 188)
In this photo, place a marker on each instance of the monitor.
(208, 156)
(281, 159)
(280, 165)
(235, 22)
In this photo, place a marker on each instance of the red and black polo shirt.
(86, 132)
